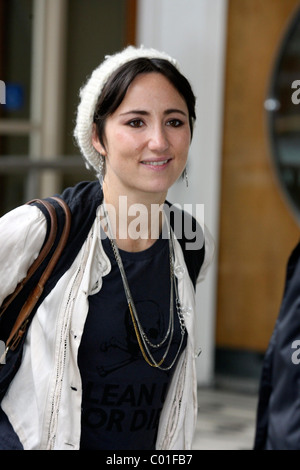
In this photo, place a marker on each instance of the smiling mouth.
(156, 163)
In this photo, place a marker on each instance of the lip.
(156, 163)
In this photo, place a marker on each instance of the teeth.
(156, 163)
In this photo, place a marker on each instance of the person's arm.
(22, 233)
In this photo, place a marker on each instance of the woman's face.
(146, 139)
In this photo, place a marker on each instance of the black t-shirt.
(122, 394)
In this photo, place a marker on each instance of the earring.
(101, 168)
(185, 176)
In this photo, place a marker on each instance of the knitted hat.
(90, 93)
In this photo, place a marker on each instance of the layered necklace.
(143, 340)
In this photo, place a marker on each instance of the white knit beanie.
(90, 93)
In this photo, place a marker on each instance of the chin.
(159, 186)
(156, 189)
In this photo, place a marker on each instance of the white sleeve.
(209, 245)
(22, 233)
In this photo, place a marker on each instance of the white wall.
(194, 32)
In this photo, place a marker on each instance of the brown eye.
(174, 123)
(135, 123)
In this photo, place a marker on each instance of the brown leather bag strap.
(20, 325)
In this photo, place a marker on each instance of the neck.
(136, 220)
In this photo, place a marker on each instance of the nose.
(158, 141)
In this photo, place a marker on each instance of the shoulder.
(195, 240)
(20, 221)
(209, 244)
(22, 233)
(83, 194)
(83, 199)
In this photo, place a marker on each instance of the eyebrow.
(146, 113)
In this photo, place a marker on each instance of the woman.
(108, 361)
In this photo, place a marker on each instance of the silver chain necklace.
(143, 340)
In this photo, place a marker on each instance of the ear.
(96, 142)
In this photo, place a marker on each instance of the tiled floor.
(226, 419)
